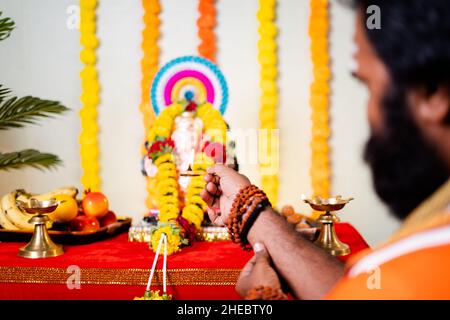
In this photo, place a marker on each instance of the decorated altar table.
(118, 269)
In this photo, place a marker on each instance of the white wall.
(41, 58)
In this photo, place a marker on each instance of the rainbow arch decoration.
(189, 78)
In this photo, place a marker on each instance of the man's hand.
(257, 272)
(222, 186)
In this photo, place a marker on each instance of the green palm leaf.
(6, 26)
(16, 112)
(28, 158)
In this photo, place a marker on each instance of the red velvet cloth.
(117, 254)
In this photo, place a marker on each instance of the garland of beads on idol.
(149, 67)
(89, 150)
(267, 56)
(319, 100)
(206, 24)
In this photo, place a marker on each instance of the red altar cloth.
(118, 269)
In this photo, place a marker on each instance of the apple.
(108, 219)
(95, 204)
(84, 223)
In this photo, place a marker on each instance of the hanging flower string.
(149, 67)
(89, 150)
(319, 99)
(267, 56)
(206, 24)
(181, 229)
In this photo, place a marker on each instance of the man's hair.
(413, 42)
(414, 45)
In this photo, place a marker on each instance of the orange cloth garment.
(413, 264)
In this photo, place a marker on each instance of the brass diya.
(40, 245)
(328, 240)
(189, 173)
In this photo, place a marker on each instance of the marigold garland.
(89, 150)
(267, 48)
(149, 67)
(206, 24)
(319, 100)
(174, 240)
(181, 229)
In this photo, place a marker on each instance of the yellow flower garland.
(173, 240)
(149, 67)
(167, 188)
(195, 207)
(89, 150)
(215, 129)
(267, 48)
(320, 89)
(166, 179)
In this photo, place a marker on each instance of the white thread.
(155, 260)
(165, 263)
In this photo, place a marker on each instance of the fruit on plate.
(87, 214)
(13, 218)
(5, 222)
(95, 204)
(66, 210)
(70, 191)
(84, 223)
(107, 219)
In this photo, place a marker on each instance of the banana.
(12, 218)
(23, 196)
(13, 213)
(4, 221)
(70, 191)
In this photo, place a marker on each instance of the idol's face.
(405, 166)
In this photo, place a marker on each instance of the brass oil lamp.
(328, 240)
(40, 245)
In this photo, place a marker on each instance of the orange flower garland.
(268, 148)
(149, 67)
(319, 100)
(89, 150)
(206, 24)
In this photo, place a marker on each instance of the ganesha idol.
(188, 135)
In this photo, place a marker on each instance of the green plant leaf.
(16, 112)
(7, 25)
(4, 92)
(28, 158)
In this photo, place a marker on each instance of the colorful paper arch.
(191, 78)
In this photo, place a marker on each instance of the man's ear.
(431, 108)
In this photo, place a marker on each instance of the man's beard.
(406, 169)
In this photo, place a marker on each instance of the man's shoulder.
(415, 267)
